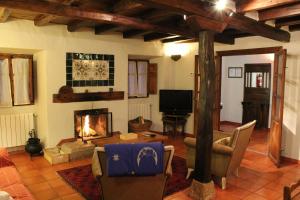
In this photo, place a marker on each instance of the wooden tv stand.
(174, 121)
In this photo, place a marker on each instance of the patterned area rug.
(81, 179)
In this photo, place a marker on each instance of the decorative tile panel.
(89, 70)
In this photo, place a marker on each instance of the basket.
(136, 126)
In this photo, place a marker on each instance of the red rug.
(81, 179)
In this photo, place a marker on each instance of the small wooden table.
(115, 139)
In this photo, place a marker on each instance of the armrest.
(220, 134)
(222, 149)
(96, 167)
(190, 142)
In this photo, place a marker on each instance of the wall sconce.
(176, 57)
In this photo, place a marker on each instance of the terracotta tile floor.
(258, 178)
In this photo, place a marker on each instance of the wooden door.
(277, 107)
(217, 106)
(217, 101)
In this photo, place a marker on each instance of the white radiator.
(14, 129)
(139, 109)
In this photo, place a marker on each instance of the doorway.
(277, 95)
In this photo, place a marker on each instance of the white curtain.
(20, 68)
(132, 79)
(5, 88)
(142, 78)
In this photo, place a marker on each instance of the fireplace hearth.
(92, 124)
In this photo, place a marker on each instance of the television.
(176, 101)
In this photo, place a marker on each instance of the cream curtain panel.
(137, 78)
(5, 88)
(20, 67)
(132, 79)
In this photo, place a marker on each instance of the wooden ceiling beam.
(92, 15)
(4, 14)
(105, 28)
(152, 17)
(126, 6)
(279, 12)
(237, 21)
(134, 33)
(249, 25)
(255, 5)
(42, 20)
(287, 21)
(175, 39)
(199, 23)
(156, 36)
(294, 28)
(123, 7)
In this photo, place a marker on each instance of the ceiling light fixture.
(184, 17)
(221, 4)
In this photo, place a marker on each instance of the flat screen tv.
(176, 101)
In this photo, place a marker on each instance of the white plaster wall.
(55, 120)
(232, 89)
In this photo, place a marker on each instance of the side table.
(174, 121)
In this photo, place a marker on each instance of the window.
(137, 78)
(16, 84)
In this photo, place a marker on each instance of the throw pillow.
(4, 158)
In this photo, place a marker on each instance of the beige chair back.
(131, 188)
(240, 141)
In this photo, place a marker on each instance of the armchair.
(131, 187)
(228, 151)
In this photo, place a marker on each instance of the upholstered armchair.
(131, 187)
(227, 154)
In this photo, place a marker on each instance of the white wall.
(50, 44)
(232, 89)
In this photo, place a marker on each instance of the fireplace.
(92, 124)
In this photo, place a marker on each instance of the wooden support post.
(202, 186)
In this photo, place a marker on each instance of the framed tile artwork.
(235, 72)
(85, 70)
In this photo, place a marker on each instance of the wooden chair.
(131, 187)
(292, 192)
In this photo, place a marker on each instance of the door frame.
(242, 52)
(275, 50)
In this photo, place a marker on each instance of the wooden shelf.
(66, 95)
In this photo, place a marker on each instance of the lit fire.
(87, 131)
(86, 128)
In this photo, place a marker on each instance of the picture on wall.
(84, 70)
(235, 72)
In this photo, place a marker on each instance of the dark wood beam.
(280, 12)
(126, 6)
(134, 33)
(287, 21)
(156, 36)
(238, 21)
(175, 39)
(199, 23)
(96, 16)
(294, 28)
(123, 7)
(42, 20)
(4, 14)
(105, 28)
(249, 25)
(254, 5)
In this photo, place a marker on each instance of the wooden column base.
(202, 191)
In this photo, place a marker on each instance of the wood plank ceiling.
(164, 20)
